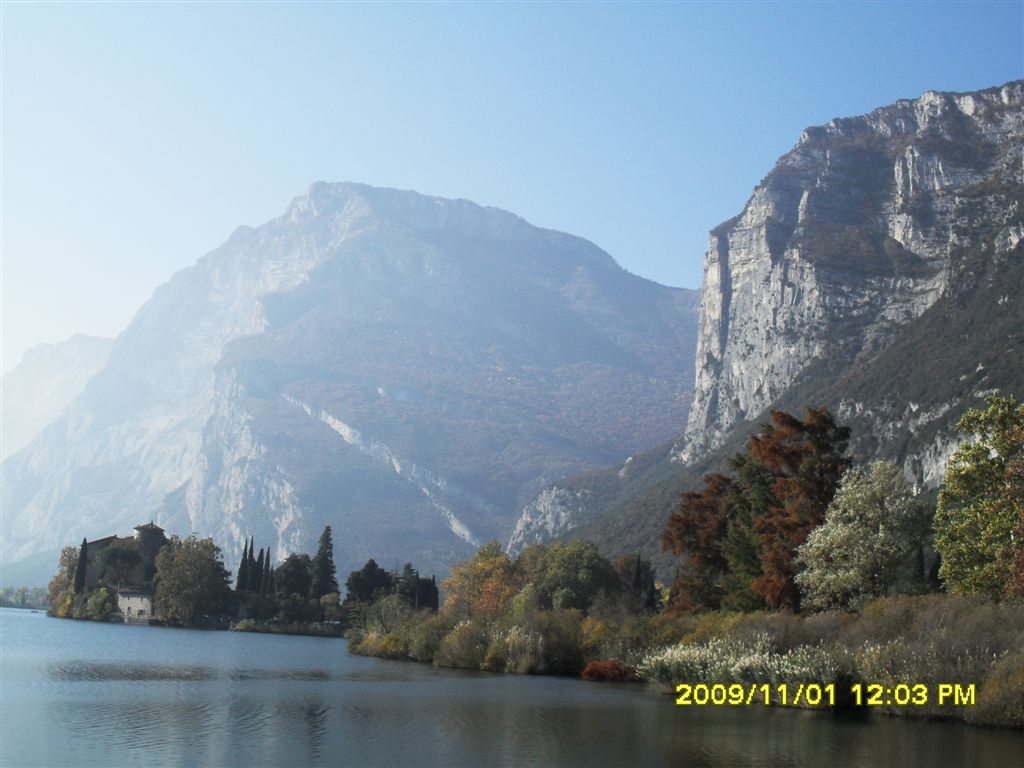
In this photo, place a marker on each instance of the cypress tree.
(324, 581)
(267, 570)
(251, 568)
(80, 570)
(256, 579)
(242, 580)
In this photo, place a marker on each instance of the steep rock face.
(854, 234)
(406, 369)
(877, 271)
(44, 383)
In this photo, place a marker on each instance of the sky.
(134, 138)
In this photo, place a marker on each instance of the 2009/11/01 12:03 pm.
(816, 694)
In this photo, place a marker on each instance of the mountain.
(877, 270)
(407, 369)
(46, 381)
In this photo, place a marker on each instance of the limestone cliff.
(854, 233)
(878, 270)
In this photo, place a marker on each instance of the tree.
(324, 581)
(242, 580)
(979, 523)
(636, 582)
(739, 533)
(266, 583)
(256, 575)
(369, 583)
(62, 585)
(118, 560)
(293, 576)
(191, 580)
(250, 565)
(697, 530)
(417, 591)
(872, 528)
(807, 459)
(568, 575)
(81, 567)
(483, 585)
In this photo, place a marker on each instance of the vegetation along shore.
(797, 569)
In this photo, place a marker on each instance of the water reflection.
(125, 696)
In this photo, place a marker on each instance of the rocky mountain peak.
(855, 232)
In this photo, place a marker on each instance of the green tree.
(369, 583)
(118, 561)
(324, 581)
(191, 580)
(980, 517)
(568, 575)
(636, 582)
(294, 576)
(242, 580)
(100, 604)
(872, 528)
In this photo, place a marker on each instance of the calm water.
(77, 693)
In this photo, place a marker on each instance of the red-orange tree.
(697, 530)
(783, 484)
(807, 459)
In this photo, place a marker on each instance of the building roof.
(150, 526)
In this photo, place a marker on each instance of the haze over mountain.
(407, 369)
(45, 382)
(878, 270)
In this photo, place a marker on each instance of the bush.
(611, 670)
(99, 605)
(427, 637)
(465, 647)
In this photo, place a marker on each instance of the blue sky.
(135, 138)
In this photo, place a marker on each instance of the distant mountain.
(46, 381)
(878, 270)
(407, 369)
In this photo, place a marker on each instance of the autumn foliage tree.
(807, 459)
(697, 530)
(482, 586)
(740, 532)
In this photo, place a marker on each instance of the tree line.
(794, 524)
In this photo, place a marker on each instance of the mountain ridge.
(441, 330)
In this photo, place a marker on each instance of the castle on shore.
(135, 591)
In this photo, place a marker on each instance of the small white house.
(135, 605)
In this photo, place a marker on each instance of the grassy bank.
(925, 641)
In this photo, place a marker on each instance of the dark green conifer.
(267, 570)
(251, 568)
(324, 580)
(256, 579)
(242, 580)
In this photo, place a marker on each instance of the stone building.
(147, 541)
(135, 605)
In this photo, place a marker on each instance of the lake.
(80, 693)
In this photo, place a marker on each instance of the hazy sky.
(137, 137)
